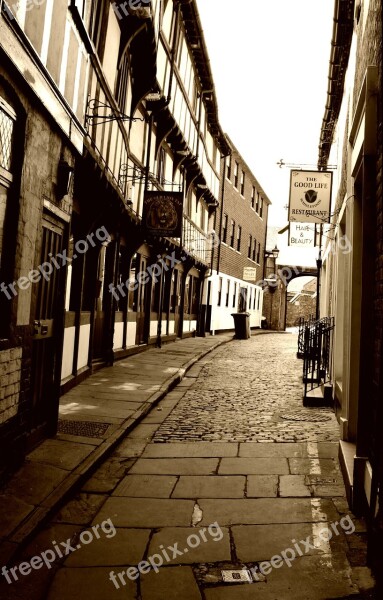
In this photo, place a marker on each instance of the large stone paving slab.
(126, 547)
(175, 466)
(323, 466)
(89, 583)
(293, 485)
(197, 544)
(262, 542)
(33, 482)
(146, 486)
(12, 512)
(188, 449)
(262, 486)
(254, 466)
(262, 450)
(210, 486)
(170, 583)
(53, 532)
(65, 455)
(80, 510)
(147, 512)
(267, 510)
(309, 578)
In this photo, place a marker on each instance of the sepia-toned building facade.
(237, 274)
(351, 281)
(100, 102)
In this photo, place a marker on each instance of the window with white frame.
(242, 183)
(236, 169)
(228, 167)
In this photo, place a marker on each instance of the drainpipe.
(221, 215)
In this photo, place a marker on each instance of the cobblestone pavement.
(232, 398)
(175, 521)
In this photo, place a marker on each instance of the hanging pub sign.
(302, 235)
(310, 196)
(162, 213)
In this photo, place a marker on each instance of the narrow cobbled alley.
(228, 490)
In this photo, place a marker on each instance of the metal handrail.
(317, 353)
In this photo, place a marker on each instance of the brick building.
(40, 140)
(237, 269)
(301, 304)
(100, 103)
(352, 280)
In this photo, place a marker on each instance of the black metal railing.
(303, 325)
(317, 353)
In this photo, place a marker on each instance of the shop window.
(174, 291)
(187, 295)
(7, 139)
(195, 296)
(156, 288)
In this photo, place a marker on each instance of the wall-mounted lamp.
(272, 284)
(153, 97)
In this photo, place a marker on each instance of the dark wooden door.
(99, 347)
(177, 308)
(46, 335)
(143, 311)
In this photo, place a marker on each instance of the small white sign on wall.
(250, 274)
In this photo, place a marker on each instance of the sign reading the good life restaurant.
(310, 196)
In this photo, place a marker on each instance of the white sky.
(270, 64)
